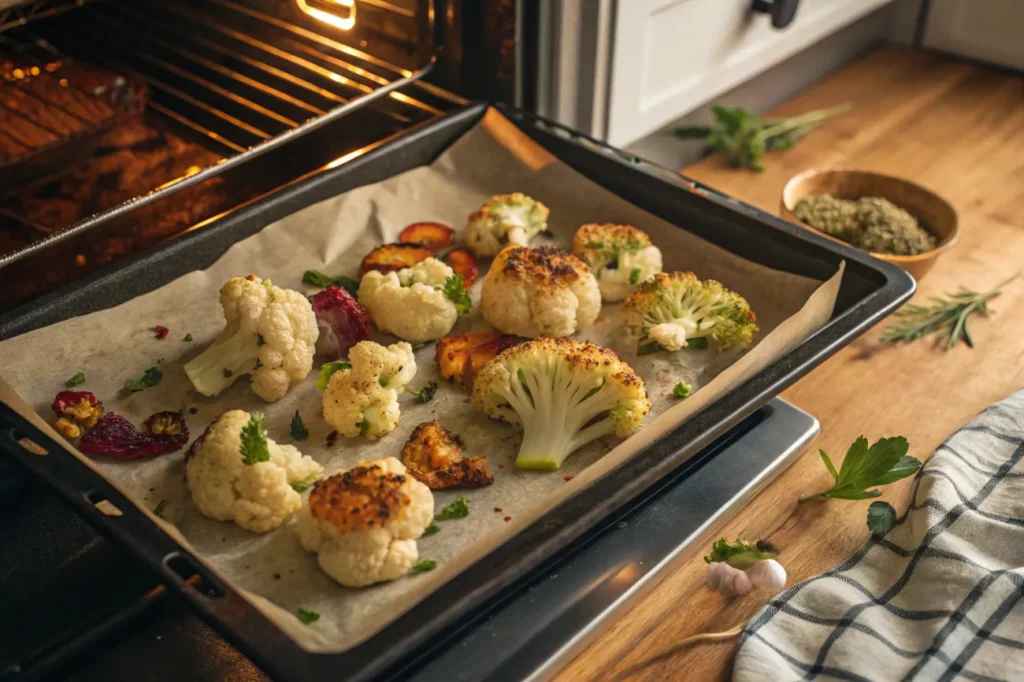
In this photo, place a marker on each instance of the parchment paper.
(116, 344)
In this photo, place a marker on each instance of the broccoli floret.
(564, 394)
(673, 309)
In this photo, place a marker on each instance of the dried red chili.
(161, 331)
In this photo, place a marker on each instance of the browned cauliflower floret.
(434, 455)
(505, 220)
(539, 292)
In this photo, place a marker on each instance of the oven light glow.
(345, 23)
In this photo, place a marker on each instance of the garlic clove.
(768, 574)
(741, 582)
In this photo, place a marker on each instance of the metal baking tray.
(870, 290)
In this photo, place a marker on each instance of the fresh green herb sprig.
(76, 380)
(744, 136)
(318, 279)
(305, 484)
(864, 469)
(457, 293)
(298, 428)
(254, 447)
(459, 509)
(946, 316)
(431, 529)
(424, 566)
(151, 377)
(425, 394)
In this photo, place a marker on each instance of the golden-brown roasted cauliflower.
(460, 357)
(433, 455)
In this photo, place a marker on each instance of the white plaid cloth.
(941, 597)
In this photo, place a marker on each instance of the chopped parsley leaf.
(307, 616)
(431, 529)
(254, 446)
(160, 506)
(456, 292)
(425, 394)
(151, 377)
(634, 275)
(75, 380)
(299, 430)
(188, 337)
(459, 509)
(424, 566)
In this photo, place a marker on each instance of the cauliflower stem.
(236, 353)
(564, 395)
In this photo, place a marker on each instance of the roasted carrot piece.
(434, 236)
(463, 263)
(393, 257)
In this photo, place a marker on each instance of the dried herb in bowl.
(873, 224)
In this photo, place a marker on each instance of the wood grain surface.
(958, 129)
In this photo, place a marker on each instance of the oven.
(125, 124)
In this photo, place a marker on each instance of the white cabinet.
(990, 30)
(670, 56)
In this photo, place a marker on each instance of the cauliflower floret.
(621, 257)
(564, 394)
(363, 397)
(238, 474)
(672, 310)
(539, 292)
(415, 304)
(270, 334)
(363, 523)
(505, 220)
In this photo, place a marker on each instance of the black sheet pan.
(870, 290)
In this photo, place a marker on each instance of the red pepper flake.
(568, 478)
(507, 519)
(161, 331)
(497, 509)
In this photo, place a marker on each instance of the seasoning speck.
(193, 410)
(507, 519)
(227, 374)
(568, 478)
(498, 509)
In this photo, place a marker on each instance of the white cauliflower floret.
(505, 220)
(415, 304)
(235, 473)
(668, 335)
(539, 292)
(564, 394)
(270, 334)
(621, 257)
(361, 396)
(363, 523)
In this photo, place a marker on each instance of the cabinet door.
(670, 56)
(989, 30)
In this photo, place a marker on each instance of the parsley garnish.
(881, 518)
(151, 377)
(254, 441)
(364, 426)
(456, 292)
(431, 529)
(188, 337)
(299, 430)
(75, 380)
(682, 390)
(884, 462)
(634, 275)
(459, 509)
(160, 506)
(424, 566)
(741, 554)
(425, 394)
(307, 616)
(327, 370)
(318, 279)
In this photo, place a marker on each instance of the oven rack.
(243, 80)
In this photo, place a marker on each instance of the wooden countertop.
(958, 129)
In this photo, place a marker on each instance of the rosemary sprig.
(946, 316)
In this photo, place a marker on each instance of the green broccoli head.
(671, 309)
(564, 394)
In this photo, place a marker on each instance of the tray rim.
(254, 634)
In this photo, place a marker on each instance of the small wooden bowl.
(932, 211)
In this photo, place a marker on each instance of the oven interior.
(221, 81)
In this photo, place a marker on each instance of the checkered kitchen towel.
(941, 597)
